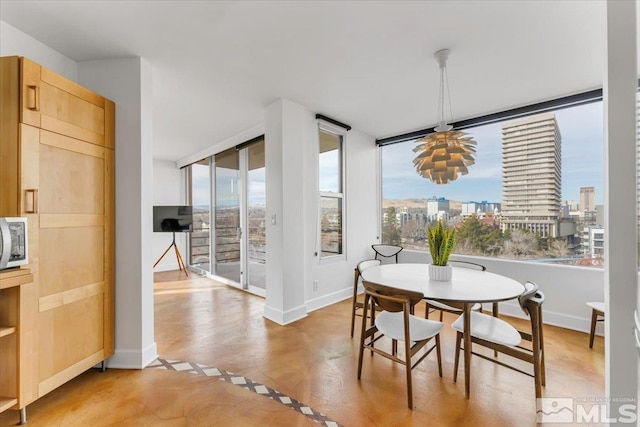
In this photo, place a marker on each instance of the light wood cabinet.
(57, 156)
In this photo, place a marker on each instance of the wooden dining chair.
(597, 315)
(496, 334)
(387, 251)
(357, 305)
(398, 322)
(452, 307)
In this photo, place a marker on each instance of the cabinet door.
(54, 103)
(74, 272)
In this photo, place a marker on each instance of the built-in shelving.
(7, 330)
(11, 353)
(7, 402)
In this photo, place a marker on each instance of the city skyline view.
(582, 162)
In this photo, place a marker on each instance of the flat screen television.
(172, 219)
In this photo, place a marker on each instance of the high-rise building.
(437, 208)
(587, 199)
(531, 171)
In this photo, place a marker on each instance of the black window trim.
(514, 113)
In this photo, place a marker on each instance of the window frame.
(327, 127)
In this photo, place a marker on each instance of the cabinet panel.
(69, 180)
(72, 257)
(30, 88)
(9, 108)
(68, 334)
(64, 113)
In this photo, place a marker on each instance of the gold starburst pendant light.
(446, 153)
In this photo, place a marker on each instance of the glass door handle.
(239, 232)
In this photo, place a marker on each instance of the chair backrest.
(387, 251)
(531, 297)
(363, 265)
(467, 264)
(391, 299)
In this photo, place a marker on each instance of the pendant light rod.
(441, 56)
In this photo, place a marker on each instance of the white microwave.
(13, 242)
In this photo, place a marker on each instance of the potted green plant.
(441, 242)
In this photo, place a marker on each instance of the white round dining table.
(467, 286)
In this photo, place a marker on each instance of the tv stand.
(181, 265)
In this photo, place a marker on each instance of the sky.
(581, 130)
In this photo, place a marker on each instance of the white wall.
(128, 82)
(291, 134)
(15, 42)
(621, 221)
(168, 189)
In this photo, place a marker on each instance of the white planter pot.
(441, 273)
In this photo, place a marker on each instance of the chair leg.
(353, 306)
(394, 347)
(594, 319)
(535, 335)
(427, 308)
(439, 355)
(457, 357)
(543, 374)
(441, 314)
(495, 314)
(362, 335)
(407, 358)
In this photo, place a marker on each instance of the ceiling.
(217, 65)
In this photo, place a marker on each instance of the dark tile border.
(246, 383)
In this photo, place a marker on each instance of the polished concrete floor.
(313, 361)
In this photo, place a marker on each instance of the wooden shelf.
(7, 402)
(7, 330)
(17, 277)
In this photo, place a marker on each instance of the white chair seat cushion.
(363, 265)
(597, 306)
(443, 306)
(490, 328)
(392, 325)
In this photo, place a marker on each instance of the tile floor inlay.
(246, 383)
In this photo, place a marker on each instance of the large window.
(535, 191)
(331, 193)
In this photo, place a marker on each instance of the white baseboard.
(133, 359)
(329, 299)
(285, 317)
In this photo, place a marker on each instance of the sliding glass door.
(228, 231)
(200, 198)
(256, 215)
(227, 192)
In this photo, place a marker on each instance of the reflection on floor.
(231, 271)
(313, 361)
